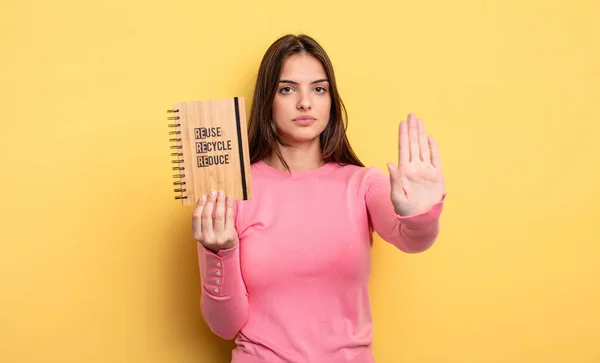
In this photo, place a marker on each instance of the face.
(302, 102)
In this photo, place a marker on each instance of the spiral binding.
(179, 160)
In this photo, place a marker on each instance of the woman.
(286, 274)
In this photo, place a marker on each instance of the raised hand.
(418, 181)
(218, 232)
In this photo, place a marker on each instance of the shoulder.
(366, 174)
(363, 181)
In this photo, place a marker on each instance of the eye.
(285, 89)
(320, 89)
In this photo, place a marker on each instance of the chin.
(301, 138)
(302, 135)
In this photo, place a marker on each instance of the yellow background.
(97, 262)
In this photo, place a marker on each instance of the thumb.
(397, 193)
(393, 173)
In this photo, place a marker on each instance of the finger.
(229, 221)
(207, 216)
(413, 138)
(197, 218)
(200, 205)
(403, 152)
(435, 153)
(423, 143)
(220, 213)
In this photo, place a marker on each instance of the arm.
(405, 208)
(412, 233)
(224, 300)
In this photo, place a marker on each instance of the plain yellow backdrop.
(97, 261)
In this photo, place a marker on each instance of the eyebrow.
(313, 82)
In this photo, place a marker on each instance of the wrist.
(217, 249)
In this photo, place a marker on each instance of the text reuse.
(218, 150)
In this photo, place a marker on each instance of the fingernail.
(213, 193)
(203, 197)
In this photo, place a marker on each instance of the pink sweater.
(295, 288)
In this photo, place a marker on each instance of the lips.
(304, 120)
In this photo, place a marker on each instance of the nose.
(304, 101)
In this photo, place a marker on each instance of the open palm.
(418, 181)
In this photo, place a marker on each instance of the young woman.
(286, 274)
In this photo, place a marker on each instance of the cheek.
(278, 109)
(281, 112)
(325, 108)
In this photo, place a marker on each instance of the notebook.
(210, 149)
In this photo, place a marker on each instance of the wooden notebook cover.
(210, 149)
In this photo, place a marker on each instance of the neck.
(299, 157)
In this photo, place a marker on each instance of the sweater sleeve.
(412, 234)
(224, 299)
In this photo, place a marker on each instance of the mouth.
(304, 120)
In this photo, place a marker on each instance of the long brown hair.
(262, 135)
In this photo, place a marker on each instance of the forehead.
(302, 67)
